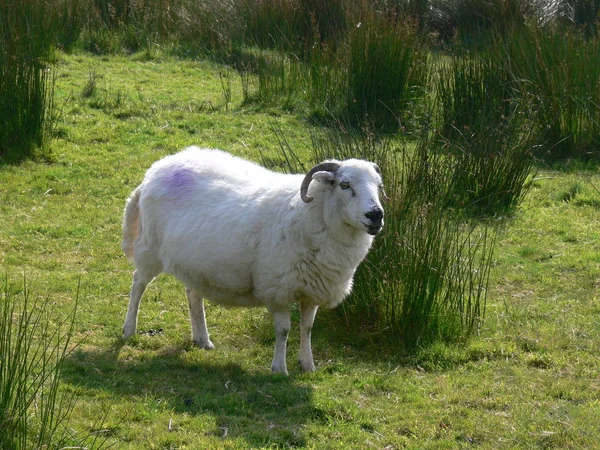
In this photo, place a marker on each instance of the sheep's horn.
(325, 166)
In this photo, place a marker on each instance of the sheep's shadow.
(262, 408)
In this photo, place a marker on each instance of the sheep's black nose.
(375, 215)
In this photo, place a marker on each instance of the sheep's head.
(356, 186)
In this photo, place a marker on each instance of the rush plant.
(26, 76)
(33, 412)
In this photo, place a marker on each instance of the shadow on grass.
(262, 408)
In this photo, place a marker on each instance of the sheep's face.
(356, 186)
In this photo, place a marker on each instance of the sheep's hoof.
(205, 345)
(307, 366)
(128, 332)
(279, 369)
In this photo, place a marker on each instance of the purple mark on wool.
(180, 181)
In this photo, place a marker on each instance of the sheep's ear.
(324, 177)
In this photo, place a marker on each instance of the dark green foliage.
(493, 168)
(473, 91)
(70, 15)
(208, 28)
(386, 71)
(481, 126)
(584, 14)
(292, 25)
(26, 79)
(368, 61)
(111, 26)
(558, 76)
(470, 20)
(375, 77)
(32, 352)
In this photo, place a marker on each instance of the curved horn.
(325, 166)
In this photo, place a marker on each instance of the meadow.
(528, 377)
(509, 362)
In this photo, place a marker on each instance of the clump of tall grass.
(207, 27)
(558, 71)
(33, 411)
(293, 26)
(472, 90)
(112, 26)
(583, 14)
(494, 166)
(386, 70)
(375, 76)
(71, 17)
(481, 126)
(26, 75)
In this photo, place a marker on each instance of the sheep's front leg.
(307, 318)
(200, 335)
(281, 319)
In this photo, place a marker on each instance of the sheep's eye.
(345, 185)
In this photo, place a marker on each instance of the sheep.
(241, 235)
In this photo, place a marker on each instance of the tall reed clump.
(208, 27)
(425, 277)
(386, 71)
(482, 127)
(70, 14)
(112, 26)
(293, 26)
(558, 70)
(374, 76)
(26, 76)
(33, 413)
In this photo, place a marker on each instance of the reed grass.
(470, 21)
(27, 36)
(481, 125)
(70, 15)
(584, 14)
(293, 26)
(386, 71)
(375, 77)
(33, 412)
(558, 71)
(370, 62)
(208, 28)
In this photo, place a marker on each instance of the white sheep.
(240, 235)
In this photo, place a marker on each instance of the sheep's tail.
(131, 223)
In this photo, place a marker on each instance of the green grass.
(27, 36)
(34, 346)
(528, 379)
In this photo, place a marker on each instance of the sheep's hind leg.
(140, 281)
(307, 318)
(281, 319)
(198, 319)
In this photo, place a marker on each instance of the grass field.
(528, 379)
